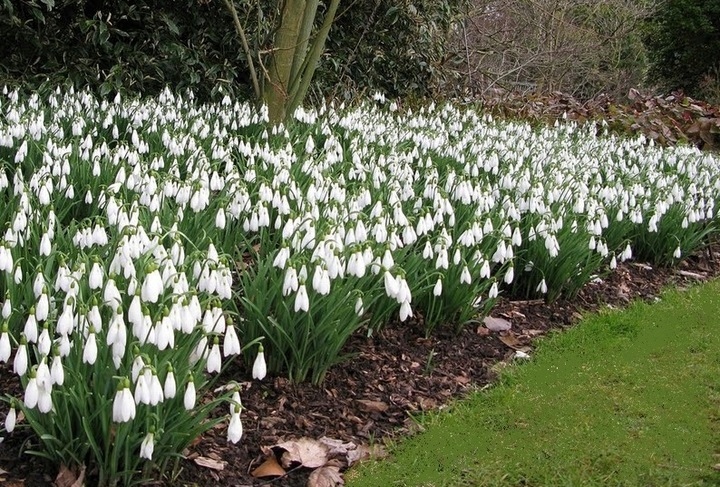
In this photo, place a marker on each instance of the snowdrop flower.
(31, 329)
(509, 275)
(405, 311)
(465, 277)
(152, 286)
(31, 391)
(392, 287)
(44, 343)
(231, 343)
(20, 364)
(190, 396)
(90, 349)
(11, 418)
(170, 387)
(147, 446)
(95, 279)
(359, 307)
(259, 370)
(542, 287)
(493, 293)
(6, 308)
(214, 362)
(302, 303)
(678, 253)
(5, 348)
(57, 373)
(235, 429)
(437, 289)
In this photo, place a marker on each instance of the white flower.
(493, 291)
(437, 289)
(170, 387)
(42, 308)
(95, 279)
(189, 399)
(6, 309)
(509, 275)
(405, 310)
(44, 343)
(31, 329)
(359, 307)
(220, 218)
(302, 303)
(235, 429)
(465, 277)
(90, 349)
(31, 392)
(259, 370)
(392, 287)
(147, 447)
(231, 343)
(156, 390)
(5, 348)
(57, 373)
(542, 287)
(678, 253)
(10, 420)
(20, 363)
(152, 287)
(214, 362)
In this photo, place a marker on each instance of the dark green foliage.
(397, 47)
(684, 43)
(129, 46)
(141, 46)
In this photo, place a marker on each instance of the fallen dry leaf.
(69, 478)
(269, 468)
(512, 342)
(372, 406)
(496, 324)
(325, 477)
(337, 447)
(364, 452)
(210, 463)
(305, 451)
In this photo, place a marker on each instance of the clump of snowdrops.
(344, 219)
(117, 307)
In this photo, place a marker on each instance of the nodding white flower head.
(147, 446)
(678, 253)
(152, 286)
(405, 310)
(170, 386)
(57, 373)
(90, 349)
(214, 362)
(6, 308)
(11, 418)
(235, 429)
(190, 395)
(231, 343)
(5, 347)
(20, 364)
(509, 275)
(542, 287)
(31, 391)
(465, 277)
(31, 328)
(259, 370)
(95, 279)
(392, 287)
(302, 302)
(359, 306)
(493, 293)
(437, 289)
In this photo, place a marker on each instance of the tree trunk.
(284, 52)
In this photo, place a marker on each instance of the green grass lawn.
(627, 398)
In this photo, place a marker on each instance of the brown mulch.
(392, 376)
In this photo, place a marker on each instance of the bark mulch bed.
(391, 377)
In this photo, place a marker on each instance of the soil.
(373, 397)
